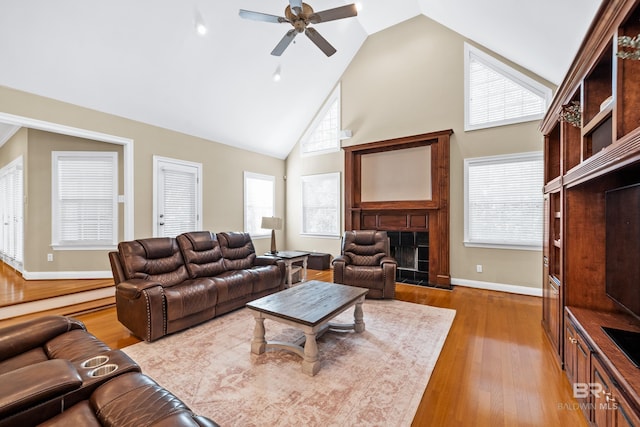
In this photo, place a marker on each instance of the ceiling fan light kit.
(300, 15)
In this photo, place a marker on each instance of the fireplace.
(411, 250)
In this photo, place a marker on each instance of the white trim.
(128, 162)
(57, 275)
(180, 163)
(55, 302)
(9, 134)
(510, 73)
(500, 287)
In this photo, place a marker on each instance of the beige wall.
(407, 80)
(223, 168)
(38, 207)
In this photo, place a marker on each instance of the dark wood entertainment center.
(430, 216)
(583, 160)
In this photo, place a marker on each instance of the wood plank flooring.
(496, 367)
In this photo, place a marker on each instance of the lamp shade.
(271, 223)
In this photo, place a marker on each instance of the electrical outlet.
(479, 268)
(49, 257)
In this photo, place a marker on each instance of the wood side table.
(289, 257)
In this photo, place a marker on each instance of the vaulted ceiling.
(143, 59)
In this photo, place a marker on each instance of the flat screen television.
(623, 262)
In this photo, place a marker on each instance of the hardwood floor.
(496, 367)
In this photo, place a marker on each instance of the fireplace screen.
(411, 251)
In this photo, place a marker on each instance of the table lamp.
(273, 223)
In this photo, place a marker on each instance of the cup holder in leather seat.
(103, 370)
(95, 361)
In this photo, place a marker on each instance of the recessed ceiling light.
(277, 75)
(201, 27)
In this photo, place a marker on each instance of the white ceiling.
(143, 59)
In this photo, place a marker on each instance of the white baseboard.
(55, 302)
(514, 289)
(56, 275)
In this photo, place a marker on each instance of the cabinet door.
(610, 407)
(570, 350)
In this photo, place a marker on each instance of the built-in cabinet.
(592, 145)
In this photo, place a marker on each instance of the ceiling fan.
(300, 15)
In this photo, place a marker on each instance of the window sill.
(503, 246)
(84, 247)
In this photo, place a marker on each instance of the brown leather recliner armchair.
(365, 262)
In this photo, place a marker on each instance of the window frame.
(338, 206)
(261, 233)
(497, 160)
(508, 72)
(336, 97)
(56, 221)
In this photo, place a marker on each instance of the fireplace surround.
(428, 217)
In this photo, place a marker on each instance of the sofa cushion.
(158, 259)
(27, 358)
(237, 250)
(201, 253)
(365, 247)
(232, 285)
(190, 297)
(80, 414)
(75, 345)
(266, 277)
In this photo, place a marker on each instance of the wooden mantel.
(405, 215)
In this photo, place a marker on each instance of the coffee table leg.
(258, 343)
(310, 363)
(358, 317)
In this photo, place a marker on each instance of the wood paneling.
(412, 215)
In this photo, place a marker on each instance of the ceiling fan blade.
(320, 41)
(259, 16)
(284, 42)
(332, 14)
(296, 6)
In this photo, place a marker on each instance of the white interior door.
(177, 197)
(11, 214)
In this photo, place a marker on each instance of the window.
(321, 204)
(11, 214)
(504, 201)
(84, 199)
(323, 135)
(496, 94)
(177, 196)
(259, 201)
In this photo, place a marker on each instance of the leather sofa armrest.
(340, 259)
(388, 260)
(265, 260)
(22, 337)
(132, 289)
(28, 386)
(339, 264)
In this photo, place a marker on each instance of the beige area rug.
(375, 378)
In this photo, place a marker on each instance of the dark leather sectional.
(164, 285)
(55, 373)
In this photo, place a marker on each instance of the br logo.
(584, 390)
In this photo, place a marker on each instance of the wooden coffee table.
(308, 307)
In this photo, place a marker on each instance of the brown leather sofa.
(129, 400)
(365, 262)
(52, 364)
(164, 285)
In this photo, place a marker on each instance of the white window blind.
(12, 213)
(259, 201)
(496, 94)
(324, 132)
(321, 204)
(179, 194)
(84, 199)
(504, 201)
